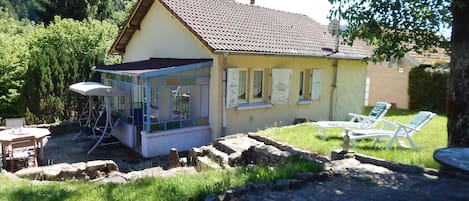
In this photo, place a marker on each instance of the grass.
(433, 136)
(181, 187)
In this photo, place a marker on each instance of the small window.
(242, 86)
(258, 82)
(301, 92)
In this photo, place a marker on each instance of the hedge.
(427, 88)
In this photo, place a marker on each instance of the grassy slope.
(182, 187)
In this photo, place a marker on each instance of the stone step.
(205, 163)
(237, 143)
(216, 155)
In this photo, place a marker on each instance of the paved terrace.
(61, 148)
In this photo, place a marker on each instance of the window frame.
(246, 86)
(302, 86)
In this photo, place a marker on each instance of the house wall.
(351, 82)
(389, 84)
(162, 35)
(349, 95)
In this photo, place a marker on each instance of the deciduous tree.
(398, 26)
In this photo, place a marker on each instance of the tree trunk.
(457, 105)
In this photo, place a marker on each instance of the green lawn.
(430, 138)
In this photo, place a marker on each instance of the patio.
(61, 148)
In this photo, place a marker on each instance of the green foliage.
(75, 9)
(14, 57)
(427, 88)
(180, 187)
(7, 7)
(60, 55)
(394, 27)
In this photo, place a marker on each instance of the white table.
(10, 135)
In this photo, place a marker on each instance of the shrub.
(427, 87)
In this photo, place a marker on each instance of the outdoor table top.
(12, 134)
(455, 157)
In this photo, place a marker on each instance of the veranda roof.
(96, 89)
(154, 67)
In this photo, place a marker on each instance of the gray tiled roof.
(229, 26)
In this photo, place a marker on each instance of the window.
(301, 92)
(244, 86)
(242, 89)
(258, 83)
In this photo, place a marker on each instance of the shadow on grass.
(45, 193)
(336, 138)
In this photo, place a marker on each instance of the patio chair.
(22, 148)
(357, 120)
(14, 122)
(395, 131)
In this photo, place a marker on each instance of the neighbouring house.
(198, 69)
(388, 81)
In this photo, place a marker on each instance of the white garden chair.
(395, 131)
(357, 120)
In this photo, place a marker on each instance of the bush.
(427, 88)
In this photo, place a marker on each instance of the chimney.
(253, 2)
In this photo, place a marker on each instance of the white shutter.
(316, 84)
(232, 87)
(280, 86)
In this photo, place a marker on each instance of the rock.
(229, 196)
(67, 171)
(234, 159)
(238, 143)
(204, 163)
(193, 154)
(93, 166)
(220, 157)
(81, 166)
(211, 197)
(263, 154)
(282, 184)
(30, 173)
(296, 184)
(183, 162)
(112, 177)
(52, 172)
(239, 190)
(305, 176)
(111, 166)
(173, 158)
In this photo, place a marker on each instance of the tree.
(14, 57)
(396, 27)
(62, 54)
(75, 9)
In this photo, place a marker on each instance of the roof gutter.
(328, 56)
(113, 72)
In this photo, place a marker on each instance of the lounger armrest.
(406, 126)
